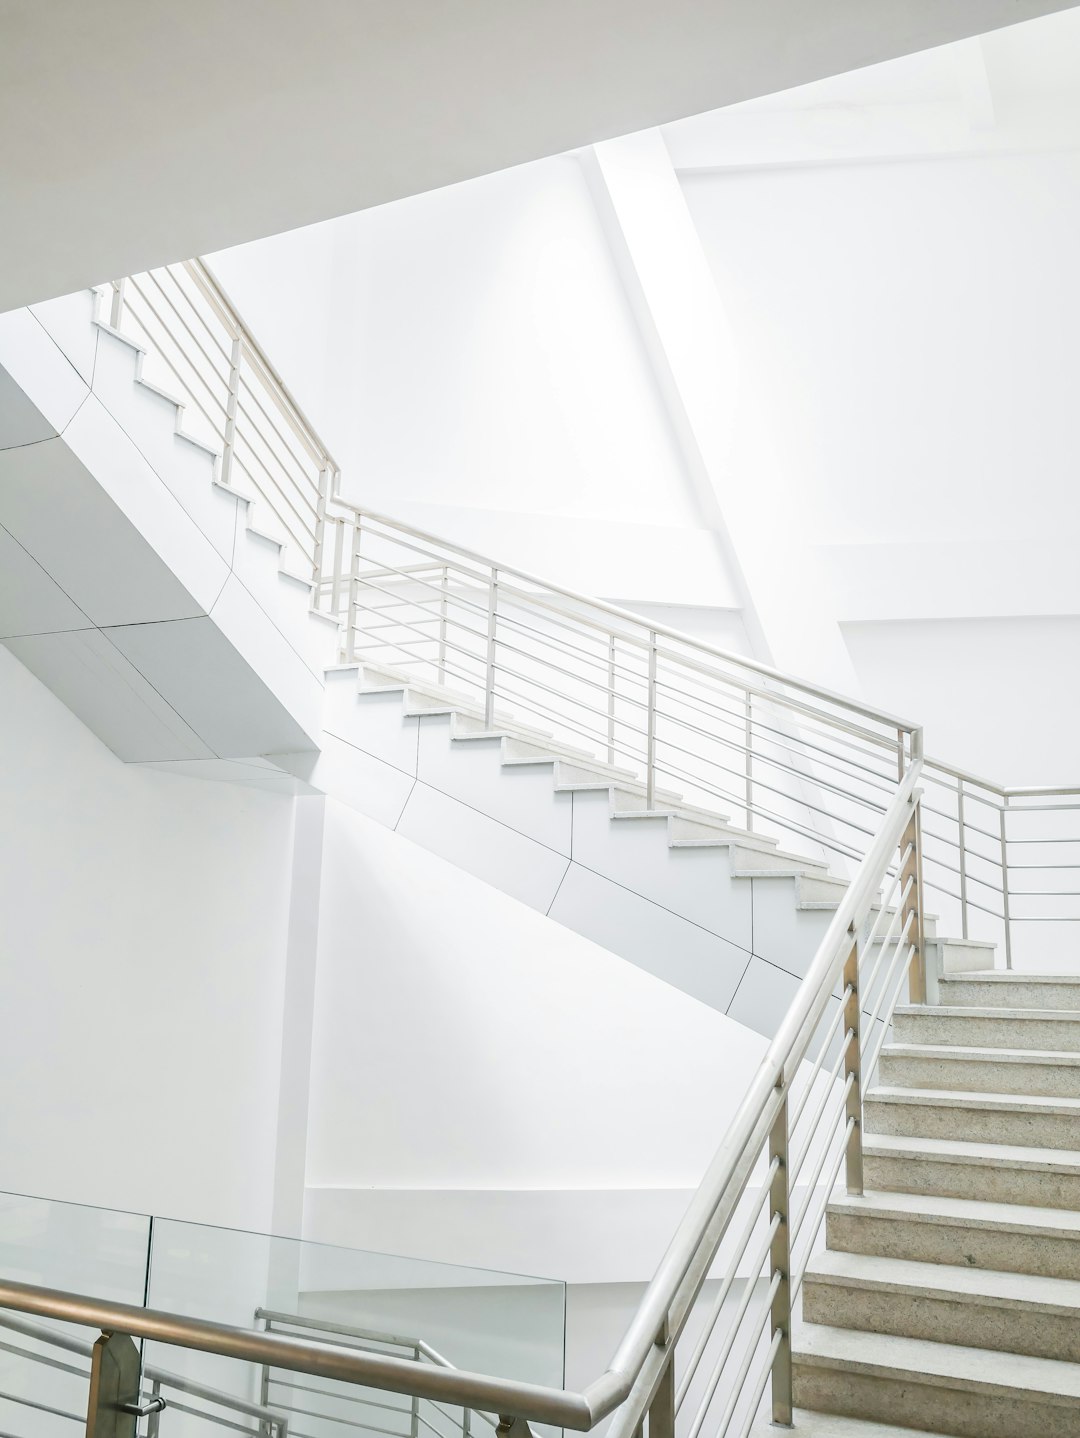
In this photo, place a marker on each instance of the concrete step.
(1055, 1030)
(967, 1392)
(980, 1070)
(926, 1228)
(1002, 1173)
(1001, 989)
(980, 1308)
(832, 1425)
(974, 1117)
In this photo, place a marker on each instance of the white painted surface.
(143, 955)
(338, 107)
(538, 1062)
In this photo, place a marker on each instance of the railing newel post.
(963, 859)
(853, 1066)
(444, 595)
(116, 309)
(320, 525)
(749, 800)
(354, 593)
(911, 845)
(650, 742)
(662, 1407)
(231, 406)
(611, 700)
(780, 1264)
(1005, 879)
(489, 669)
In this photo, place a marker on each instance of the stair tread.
(982, 1053)
(997, 1155)
(1007, 976)
(945, 1365)
(962, 1098)
(1051, 1295)
(986, 1011)
(959, 1212)
(808, 1424)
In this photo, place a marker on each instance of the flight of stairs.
(948, 1298)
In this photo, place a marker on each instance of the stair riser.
(1006, 1032)
(929, 1406)
(939, 1320)
(978, 1076)
(1046, 1255)
(973, 1125)
(1015, 994)
(945, 1179)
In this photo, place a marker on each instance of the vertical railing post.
(780, 1264)
(1005, 881)
(489, 672)
(354, 594)
(116, 309)
(320, 530)
(963, 861)
(662, 1407)
(153, 1418)
(749, 797)
(231, 406)
(650, 741)
(911, 846)
(853, 1066)
(444, 592)
(611, 700)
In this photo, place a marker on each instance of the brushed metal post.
(320, 527)
(650, 743)
(963, 860)
(911, 845)
(1005, 881)
(116, 309)
(115, 1375)
(749, 799)
(489, 675)
(853, 1159)
(611, 700)
(444, 592)
(780, 1264)
(231, 407)
(354, 594)
(662, 1407)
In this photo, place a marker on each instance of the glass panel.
(433, 1313)
(44, 1365)
(430, 1313)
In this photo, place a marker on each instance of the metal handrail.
(804, 686)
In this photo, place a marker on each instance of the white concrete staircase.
(948, 1299)
(728, 916)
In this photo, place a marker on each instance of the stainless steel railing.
(677, 725)
(199, 348)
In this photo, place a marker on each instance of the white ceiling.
(132, 134)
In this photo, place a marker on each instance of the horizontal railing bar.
(222, 375)
(302, 460)
(336, 1394)
(282, 485)
(43, 1407)
(754, 666)
(297, 478)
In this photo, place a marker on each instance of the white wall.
(895, 251)
(551, 1102)
(143, 950)
(479, 371)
